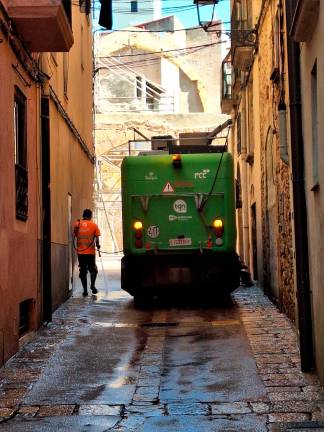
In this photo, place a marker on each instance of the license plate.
(180, 242)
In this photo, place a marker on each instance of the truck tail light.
(218, 227)
(176, 160)
(138, 234)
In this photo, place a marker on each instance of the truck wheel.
(140, 301)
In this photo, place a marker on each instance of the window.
(85, 6)
(275, 73)
(20, 141)
(139, 88)
(65, 73)
(82, 49)
(250, 118)
(134, 6)
(67, 4)
(20, 128)
(314, 124)
(153, 94)
(24, 316)
(238, 133)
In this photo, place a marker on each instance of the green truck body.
(177, 203)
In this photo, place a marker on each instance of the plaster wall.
(312, 52)
(18, 239)
(71, 169)
(112, 44)
(275, 174)
(170, 81)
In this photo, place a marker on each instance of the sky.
(189, 17)
(185, 10)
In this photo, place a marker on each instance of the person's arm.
(97, 243)
(76, 228)
(97, 234)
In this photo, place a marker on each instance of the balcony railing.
(243, 38)
(243, 46)
(44, 25)
(227, 99)
(21, 193)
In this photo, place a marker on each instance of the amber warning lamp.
(218, 227)
(138, 228)
(176, 160)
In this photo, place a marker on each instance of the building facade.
(46, 157)
(261, 90)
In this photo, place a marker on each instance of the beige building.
(149, 83)
(261, 90)
(67, 97)
(257, 100)
(308, 29)
(46, 157)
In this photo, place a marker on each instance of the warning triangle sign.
(168, 188)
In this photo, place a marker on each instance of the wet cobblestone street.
(102, 365)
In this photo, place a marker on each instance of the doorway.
(254, 242)
(46, 210)
(70, 242)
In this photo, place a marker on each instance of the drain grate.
(220, 323)
(160, 324)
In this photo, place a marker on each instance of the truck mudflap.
(151, 275)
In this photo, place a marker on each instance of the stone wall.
(276, 199)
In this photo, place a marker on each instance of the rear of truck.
(179, 224)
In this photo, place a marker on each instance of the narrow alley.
(103, 365)
(161, 215)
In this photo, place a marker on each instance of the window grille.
(20, 140)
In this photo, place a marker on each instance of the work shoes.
(85, 293)
(94, 290)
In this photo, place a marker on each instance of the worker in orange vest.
(87, 235)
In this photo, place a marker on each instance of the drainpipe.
(299, 199)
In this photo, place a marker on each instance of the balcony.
(305, 19)
(243, 43)
(44, 25)
(227, 98)
(243, 46)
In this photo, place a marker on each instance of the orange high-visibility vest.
(85, 232)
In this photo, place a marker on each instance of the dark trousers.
(87, 262)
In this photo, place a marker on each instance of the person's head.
(87, 214)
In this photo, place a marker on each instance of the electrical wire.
(162, 51)
(147, 61)
(203, 203)
(142, 30)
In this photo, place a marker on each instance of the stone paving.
(291, 396)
